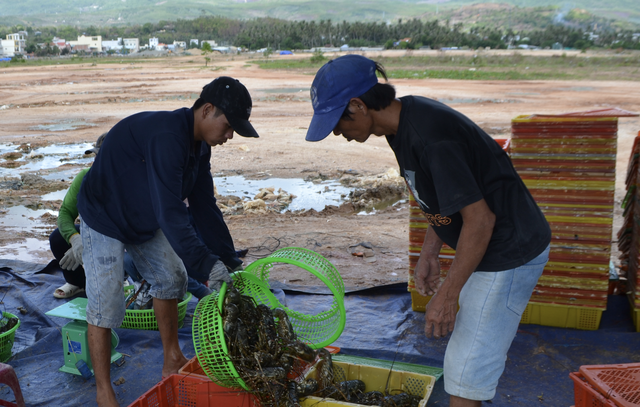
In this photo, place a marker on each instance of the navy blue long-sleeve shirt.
(148, 164)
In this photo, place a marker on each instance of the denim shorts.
(491, 305)
(103, 259)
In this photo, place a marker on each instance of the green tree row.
(282, 34)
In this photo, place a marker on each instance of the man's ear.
(356, 104)
(207, 108)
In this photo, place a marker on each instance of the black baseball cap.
(230, 96)
(96, 147)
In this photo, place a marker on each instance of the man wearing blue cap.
(474, 201)
(132, 199)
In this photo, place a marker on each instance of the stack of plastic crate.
(629, 234)
(568, 164)
(625, 234)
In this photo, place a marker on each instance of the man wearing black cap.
(473, 200)
(133, 199)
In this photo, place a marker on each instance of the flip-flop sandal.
(67, 291)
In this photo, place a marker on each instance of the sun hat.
(232, 97)
(335, 84)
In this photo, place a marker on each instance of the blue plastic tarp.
(380, 324)
(286, 53)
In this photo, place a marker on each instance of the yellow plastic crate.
(562, 316)
(375, 379)
(418, 302)
(634, 313)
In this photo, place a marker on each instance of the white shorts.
(491, 305)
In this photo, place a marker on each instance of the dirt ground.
(97, 96)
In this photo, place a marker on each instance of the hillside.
(131, 12)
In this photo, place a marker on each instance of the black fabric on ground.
(380, 324)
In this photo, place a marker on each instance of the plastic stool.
(8, 377)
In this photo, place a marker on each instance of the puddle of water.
(308, 195)
(393, 202)
(21, 218)
(55, 196)
(62, 125)
(31, 250)
(581, 88)
(67, 175)
(574, 89)
(47, 157)
(286, 90)
(7, 148)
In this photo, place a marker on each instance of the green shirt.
(69, 209)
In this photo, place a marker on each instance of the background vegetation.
(122, 13)
(411, 34)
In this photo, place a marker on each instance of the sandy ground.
(97, 96)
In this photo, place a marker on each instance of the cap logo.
(314, 96)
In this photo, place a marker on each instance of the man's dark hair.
(200, 102)
(378, 97)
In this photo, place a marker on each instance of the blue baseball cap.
(335, 84)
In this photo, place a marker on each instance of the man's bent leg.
(161, 267)
(167, 315)
(103, 258)
(100, 351)
(491, 305)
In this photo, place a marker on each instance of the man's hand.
(219, 274)
(440, 315)
(72, 259)
(427, 274)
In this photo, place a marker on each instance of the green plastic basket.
(209, 343)
(316, 330)
(146, 318)
(7, 338)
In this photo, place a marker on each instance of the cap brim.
(93, 150)
(322, 124)
(242, 127)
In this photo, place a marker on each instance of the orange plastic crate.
(621, 382)
(190, 391)
(585, 395)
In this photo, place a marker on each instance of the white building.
(194, 42)
(153, 43)
(112, 45)
(180, 44)
(92, 44)
(19, 43)
(7, 48)
(210, 42)
(131, 44)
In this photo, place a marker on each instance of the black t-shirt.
(449, 162)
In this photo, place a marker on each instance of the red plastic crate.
(620, 383)
(190, 391)
(585, 395)
(299, 369)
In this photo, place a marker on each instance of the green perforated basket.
(316, 330)
(145, 319)
(7, 338)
